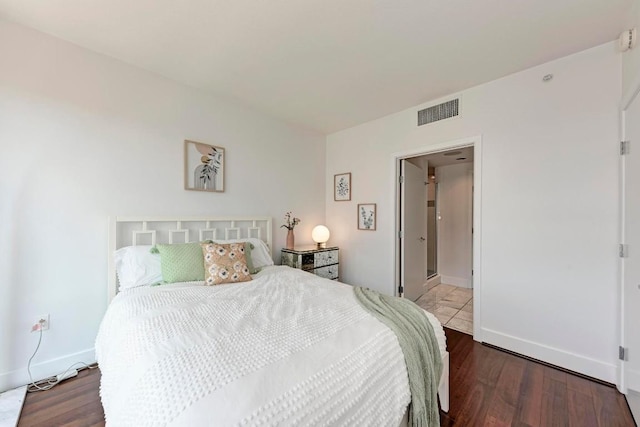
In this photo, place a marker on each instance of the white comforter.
(287, 348)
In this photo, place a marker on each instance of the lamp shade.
(320, 235)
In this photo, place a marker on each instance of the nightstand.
(321, 262)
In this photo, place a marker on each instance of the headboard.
(131, 231)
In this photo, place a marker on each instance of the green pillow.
(247, 254)
(182, 262)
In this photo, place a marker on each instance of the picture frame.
(367, 216)
(342, 187)
(203, 167)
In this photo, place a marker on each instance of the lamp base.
(322, 245)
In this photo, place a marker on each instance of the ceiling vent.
(438, 112)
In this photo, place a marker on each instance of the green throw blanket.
(420, 348)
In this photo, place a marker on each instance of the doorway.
(436, 266)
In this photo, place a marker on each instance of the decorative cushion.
(225, 263)
(182, 262)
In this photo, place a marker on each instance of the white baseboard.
(633, 379)
(574, 362)
(458, 281)
(20, 377)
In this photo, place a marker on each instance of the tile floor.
(452, 305)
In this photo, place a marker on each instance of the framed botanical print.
(203, 167)
(367, 216)
(342, 187)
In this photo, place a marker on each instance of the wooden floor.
(488, 388)
(74, 402)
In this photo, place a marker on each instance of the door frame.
(476, 143)
(626, 102)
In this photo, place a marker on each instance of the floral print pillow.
(224, 263)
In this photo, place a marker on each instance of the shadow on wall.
(9, 358)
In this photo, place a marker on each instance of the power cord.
(49, 383)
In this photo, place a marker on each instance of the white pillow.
(259, 254)
(137, 266)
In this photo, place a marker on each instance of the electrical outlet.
(41, 323)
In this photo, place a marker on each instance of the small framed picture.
(203, 167)
(367, 216)
(342, 187)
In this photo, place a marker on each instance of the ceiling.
(328, 64)
(449, 157)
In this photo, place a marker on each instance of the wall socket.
(42, 322)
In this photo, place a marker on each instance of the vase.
(290, 239)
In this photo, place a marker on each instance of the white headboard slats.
(232, 233)
(143, 232)
(257, 231)
(202, 233)
(185, 235)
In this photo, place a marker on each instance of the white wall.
(82, 137)
(455, 184)
(549, 225)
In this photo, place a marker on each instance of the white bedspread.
(287, 348)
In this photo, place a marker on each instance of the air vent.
(438, 112)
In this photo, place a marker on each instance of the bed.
(286, 348)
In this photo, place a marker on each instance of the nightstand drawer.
(326, 258)
(308, 262)
(328, 272)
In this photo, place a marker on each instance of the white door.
(631, 264)
(413, 224)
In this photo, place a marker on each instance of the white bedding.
(287, 348)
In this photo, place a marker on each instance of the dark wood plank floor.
(488, 388)
(75, 402)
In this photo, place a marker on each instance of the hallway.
(452, 305)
